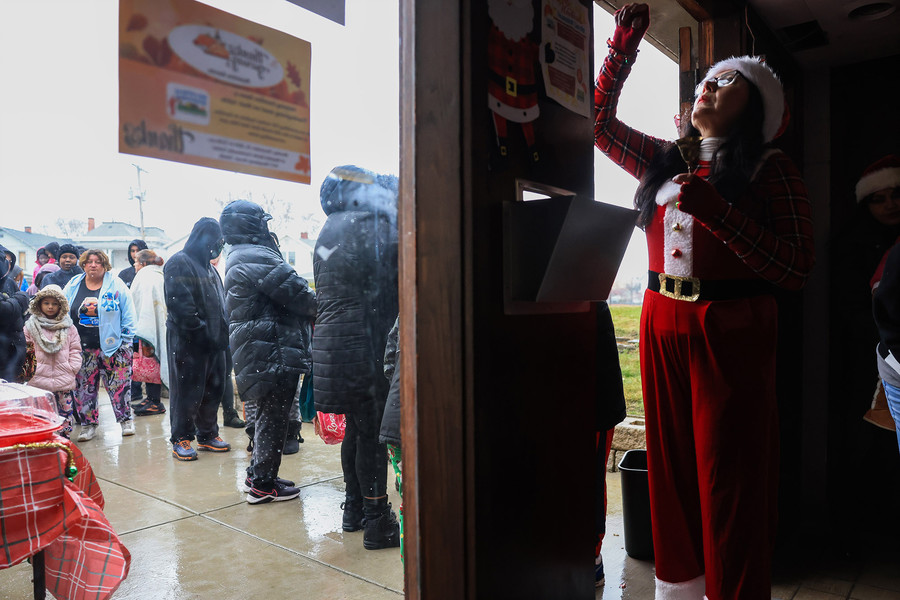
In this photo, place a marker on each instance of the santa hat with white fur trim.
(881, 175)
(766, 81)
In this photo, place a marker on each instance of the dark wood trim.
(431, 299)
(706, 55)
(407, 265)
(687, 73)
(709, 9)
(696, 9)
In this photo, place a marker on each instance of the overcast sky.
(59, 115)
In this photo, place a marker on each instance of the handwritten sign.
(565, 60)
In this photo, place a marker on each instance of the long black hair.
(733, 162)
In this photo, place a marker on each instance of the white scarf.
(60, 327)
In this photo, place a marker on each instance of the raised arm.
(625, 146)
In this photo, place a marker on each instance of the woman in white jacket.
(57, 350)
(149, 299)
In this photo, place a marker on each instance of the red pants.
(604, 446)
(708, 371)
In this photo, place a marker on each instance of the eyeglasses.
(883, 196)
(723, 80)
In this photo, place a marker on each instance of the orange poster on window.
(201, 86)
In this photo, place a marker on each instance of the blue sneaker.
(183, 451)
(216, 444)
(599, 577)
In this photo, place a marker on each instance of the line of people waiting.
(87, 326)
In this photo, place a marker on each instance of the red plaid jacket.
(775, 243)
(41, 510)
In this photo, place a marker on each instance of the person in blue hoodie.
(102, 311)
(197, 337)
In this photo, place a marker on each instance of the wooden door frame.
(432, 300)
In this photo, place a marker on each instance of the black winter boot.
(382, 528)
(292, 442)
(354, 518)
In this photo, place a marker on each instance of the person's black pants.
(154, 391)
(271, 431)
(196, 380)
(363, 459)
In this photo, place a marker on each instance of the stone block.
(630, 435)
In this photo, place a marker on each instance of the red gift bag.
(330, 427)
(144, 368)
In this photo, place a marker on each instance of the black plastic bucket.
(636, 505)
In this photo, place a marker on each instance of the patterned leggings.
(116, 373)
(64, 403)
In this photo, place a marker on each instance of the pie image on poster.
(211, 45)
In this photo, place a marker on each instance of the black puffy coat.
(390, 422)
(270, 307)
(8, 284)
(355, 266)
(13, 304)
(195, 300)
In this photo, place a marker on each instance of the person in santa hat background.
(880, 188)
(863, 465)
(724, 228)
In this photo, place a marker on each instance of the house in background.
(298, 252)
(114, 237)
(25, 244)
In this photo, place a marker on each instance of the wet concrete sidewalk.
(192, 535)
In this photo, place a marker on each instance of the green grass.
(626, 320)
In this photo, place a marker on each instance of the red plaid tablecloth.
(42, 510)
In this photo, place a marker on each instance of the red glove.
(632, 21)
(698, 197)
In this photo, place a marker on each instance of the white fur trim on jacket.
(878, 180)
(681, 239)
(765, 80)
(694, 589)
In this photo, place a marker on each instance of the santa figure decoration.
(512, 77)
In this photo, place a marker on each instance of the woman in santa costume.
(720, 239)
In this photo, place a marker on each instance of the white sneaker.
(87, 433)
(127, 428)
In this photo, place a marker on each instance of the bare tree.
(71, 228)
(311, 223)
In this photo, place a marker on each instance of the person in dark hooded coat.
(196, 336)
(127, 274)
(271, 310)
(10, 285)
(13, 304)
(355, 266)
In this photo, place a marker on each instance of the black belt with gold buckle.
(691, 289)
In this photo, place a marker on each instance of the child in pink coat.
(57, 350)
